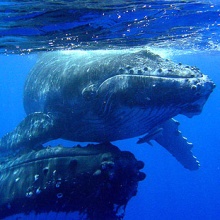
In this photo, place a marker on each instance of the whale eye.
(89, 93)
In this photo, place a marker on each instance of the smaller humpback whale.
(97, 181)
(103, 96)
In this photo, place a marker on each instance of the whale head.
(146, 81)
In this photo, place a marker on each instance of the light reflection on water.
(52, 25)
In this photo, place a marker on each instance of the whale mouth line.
(177, 77)
(152, 77)
(160, 76)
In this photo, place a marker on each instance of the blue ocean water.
(184, 31)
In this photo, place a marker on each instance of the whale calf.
(103, 96)
(97, 181)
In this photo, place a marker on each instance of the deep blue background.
(169, 191)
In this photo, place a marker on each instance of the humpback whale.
(97, 181)
(103, 96)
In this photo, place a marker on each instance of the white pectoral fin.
(35, 129)
(173, 141)
(169, 137)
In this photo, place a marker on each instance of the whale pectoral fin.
(172, 140)
(151, 135)
(35, 129)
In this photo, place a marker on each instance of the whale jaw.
(187, 95)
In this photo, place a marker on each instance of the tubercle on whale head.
(146, 63)
(140, 63)
(156, 69)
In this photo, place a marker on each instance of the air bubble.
(29, 194)
(59, 195)
(97, 173)
(58, 184)
(36, 177)
(38, 191)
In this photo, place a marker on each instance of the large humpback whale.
(102, 96)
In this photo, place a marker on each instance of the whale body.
(103, 96)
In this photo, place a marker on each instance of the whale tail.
(35, 129)
(172, 140)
